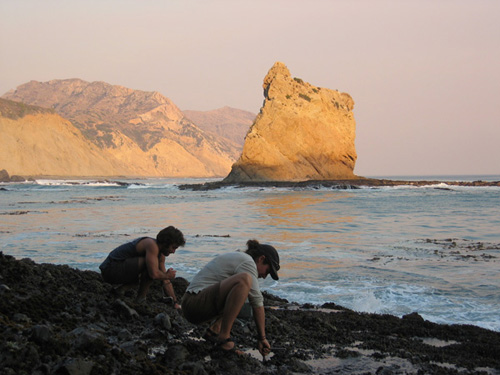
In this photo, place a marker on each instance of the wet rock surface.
(58, 320)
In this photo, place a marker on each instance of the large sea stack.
(302, 132)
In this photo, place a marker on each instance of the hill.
(227, 122)
(37, 141)
(145, 131)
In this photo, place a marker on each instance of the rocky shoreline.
(58, 320)
(332, 184)
(307, 184)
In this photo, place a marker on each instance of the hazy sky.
(424, 74)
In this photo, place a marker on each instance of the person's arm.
(167, 284)
(259, 316)
(254, 296)
(169, 291)
(156, 270)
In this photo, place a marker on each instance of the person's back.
(226, 265)
(122, 252)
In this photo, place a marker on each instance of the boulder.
(4, 176)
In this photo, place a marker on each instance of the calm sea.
(434, 250)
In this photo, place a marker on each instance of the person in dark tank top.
(141, 261)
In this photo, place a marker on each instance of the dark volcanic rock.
(333, 184)
(58, 320)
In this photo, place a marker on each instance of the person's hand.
(171, 273)
(264, 347)
(177, 306)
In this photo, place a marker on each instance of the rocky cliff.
(143, 131)
(302, 132)
(37, 141)
(230, 123)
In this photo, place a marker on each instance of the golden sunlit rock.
(302, 132)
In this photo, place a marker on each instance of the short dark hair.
(170, 236)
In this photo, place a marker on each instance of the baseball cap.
(273, 260)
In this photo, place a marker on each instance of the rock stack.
(302, 132)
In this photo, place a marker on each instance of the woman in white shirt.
(221, 288)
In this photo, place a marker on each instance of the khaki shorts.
(203, 306)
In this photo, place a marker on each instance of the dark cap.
(273, 260)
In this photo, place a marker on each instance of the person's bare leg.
(145, 282)
(144, 285)
(215, 327)
(120, 289)
(234, 291)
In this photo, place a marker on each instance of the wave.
(176, 184)
(395, 299)
(361, 188)
(91, 183)
(152, 186)
(455, 178)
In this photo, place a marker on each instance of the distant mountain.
(226, 122)
(142, 130)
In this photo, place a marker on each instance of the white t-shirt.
(224, 266)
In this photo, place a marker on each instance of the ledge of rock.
(302, 132)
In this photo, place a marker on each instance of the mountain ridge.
(144, 131)
(228, 122)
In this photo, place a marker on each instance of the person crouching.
(220, 289)
(142, 261)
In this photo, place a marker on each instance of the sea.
(434, 249)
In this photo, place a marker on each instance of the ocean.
(434, 250)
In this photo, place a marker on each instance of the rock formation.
(302, 132)
(143, 131)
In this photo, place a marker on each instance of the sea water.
(434, 250)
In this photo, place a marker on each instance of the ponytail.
(253, 249)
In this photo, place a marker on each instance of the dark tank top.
(122, 252)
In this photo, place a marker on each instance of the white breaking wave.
(76, 183)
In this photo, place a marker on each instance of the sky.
(424, 74)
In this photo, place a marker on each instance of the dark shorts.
(122, 271)
(201, 307)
